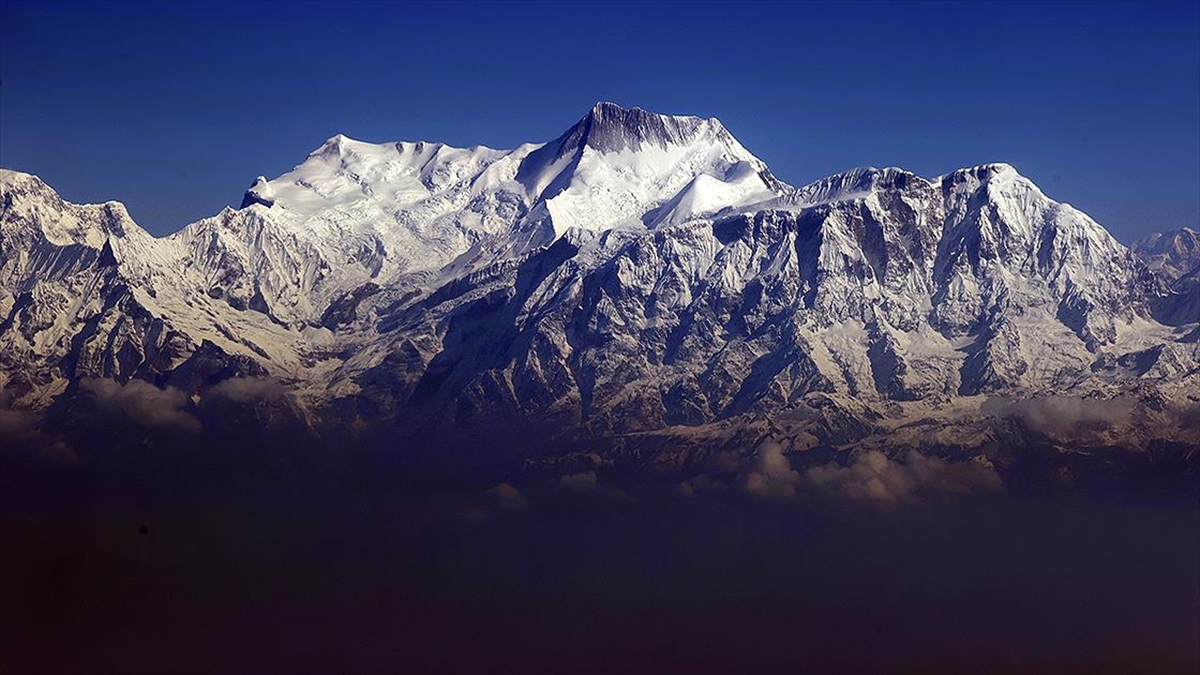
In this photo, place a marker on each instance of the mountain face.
(1174, 259)
(1174, 254)
(641, 285)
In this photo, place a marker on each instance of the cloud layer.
(770, 475)
(144, 403)
(248, 389)
(873, 476)
(1061, 415)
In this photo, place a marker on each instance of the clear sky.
(174, 108)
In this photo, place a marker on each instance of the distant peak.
(607, 110)
(869, 174)
(996, 168)
(260, 192)
(608, 107)
(1184, 238)
(13, 176)
(335, 145)
(1180, 232)
(986, 171)
(609, 127)
(856, 181)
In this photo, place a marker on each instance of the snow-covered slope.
(640, 274)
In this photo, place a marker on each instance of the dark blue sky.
(174, 108)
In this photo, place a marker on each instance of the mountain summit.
(610, 128)
(619, 166)
(638, 279)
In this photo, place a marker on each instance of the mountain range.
(640, 291)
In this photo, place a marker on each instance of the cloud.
(143, 403)
(770, 476)
(503, 499)
(700, 484)
(507, 498)
(248, 389)
(17, 426)
(587, 484)
(579, 483)
(873, 476)
(21, 430)
(1061, 415)
(59, 451)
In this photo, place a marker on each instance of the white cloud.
(21, 430)
(579, 483)
(247, 389)
(143, 403)
(587, 484)
(873, 476)
(507, 498)
(497, 501)
(17, 425)
(1061, 415)
(770, 476)
(700, 484)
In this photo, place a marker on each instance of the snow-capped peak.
(984, 171)
(427, 202)
(610, 128)
(1175, 254)
(31, 208)
(335, 145)
(620, 167)
(859, 181)
(260, 192)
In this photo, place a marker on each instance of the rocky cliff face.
(640, 277)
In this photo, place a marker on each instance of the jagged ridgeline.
(642, 284)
